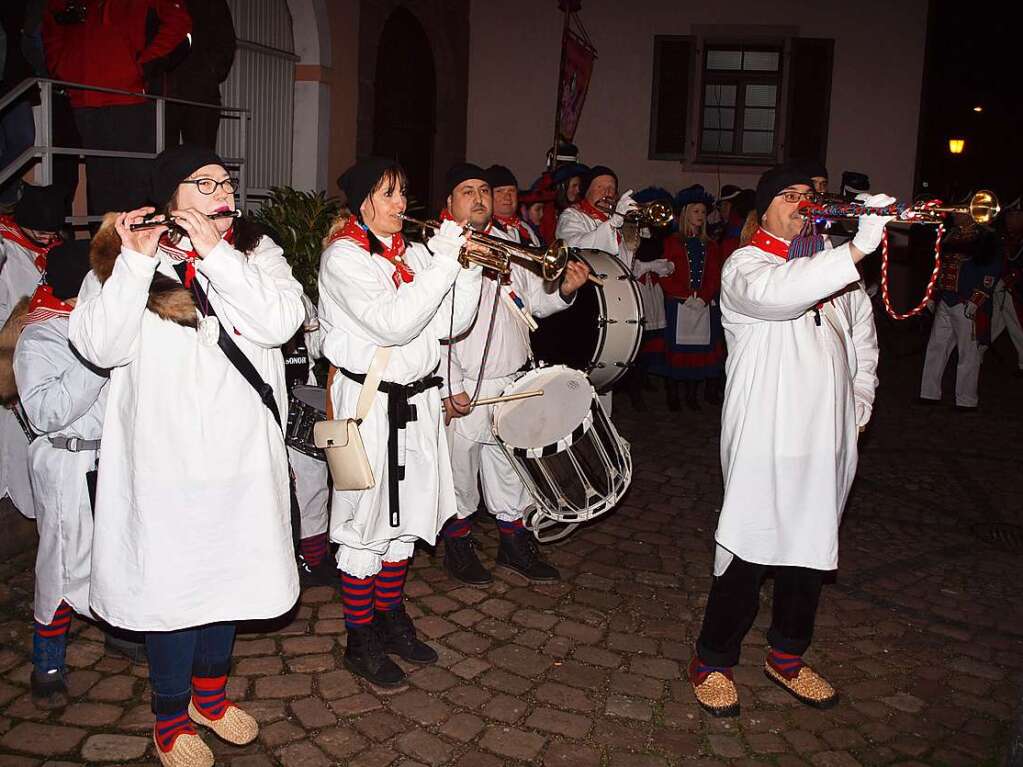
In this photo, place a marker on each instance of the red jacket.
(678, 284)
(109, 48)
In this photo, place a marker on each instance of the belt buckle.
(71, 444)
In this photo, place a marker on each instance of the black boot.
(671, 393)
(323, 574)
(691, 401)
(712, 391)
(521, 553)
(462, 564)
(49, 689)
(398, 636)
(364, 656)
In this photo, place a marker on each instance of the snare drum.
(306, 406)
(564, 448)
(601, 332)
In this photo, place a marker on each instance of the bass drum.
(601, 332)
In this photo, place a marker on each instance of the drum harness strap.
(399, 414)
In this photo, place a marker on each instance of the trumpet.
(982, 207)
(657, 213)
(497, 254)
(169, 221)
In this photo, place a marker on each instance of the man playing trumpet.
(475, 456)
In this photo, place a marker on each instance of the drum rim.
(523, 382)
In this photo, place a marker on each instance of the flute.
(169, 220)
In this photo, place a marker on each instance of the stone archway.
(311, 134)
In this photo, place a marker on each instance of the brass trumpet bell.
(657, 213)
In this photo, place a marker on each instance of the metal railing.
(44, 150)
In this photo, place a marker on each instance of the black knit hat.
(597, 170)
(66, 267)
(174, 165)
(775, 180)
(499, 175)
(359, 180)
(40, 207)
(463, 171)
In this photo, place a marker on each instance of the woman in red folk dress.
(693, 338)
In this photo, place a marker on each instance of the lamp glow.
(956, 145)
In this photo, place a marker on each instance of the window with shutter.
(809, 103)
(670, 99)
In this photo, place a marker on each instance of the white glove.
(448, 240)
(871, 229)
(639, 268)
(696, 301)
(625, 205)
(662, 267)
(970, 310)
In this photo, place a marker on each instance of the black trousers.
(733, 603)
(194, 125)
(115, 183)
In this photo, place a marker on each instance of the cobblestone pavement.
(921, 632)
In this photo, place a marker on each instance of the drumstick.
(508, 397)
(595, 279)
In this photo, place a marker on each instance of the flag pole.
(566, 6)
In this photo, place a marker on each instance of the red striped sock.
(784, 663)
(390, 585)
(357, 598)
(169, 726)
(457, 528)
(60, 624)
(514, 527)
(209, 694)
(314, 548)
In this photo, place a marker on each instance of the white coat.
(361, 310)
(796, 394)
(579, 230)
(19, 276)
(62, 397)
(193, 507)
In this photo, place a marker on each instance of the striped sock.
(514, 527)
(457, 528)
(784, 663)
(699, 671)
(314, 549)
(390, 585)
(169, 726)
(49, 640)
(357, 598)
(209, 695)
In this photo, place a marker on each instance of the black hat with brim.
(40, 208)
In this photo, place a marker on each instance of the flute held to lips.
(169, 220)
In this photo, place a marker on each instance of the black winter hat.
(499, 175)
(40, 207)
(596, 170)
(775, 180)
(359, 180)
(66, 267)
(463, 171)
(174, 165)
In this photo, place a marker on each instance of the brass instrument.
(982, 207)
(498, 254)
(168, 221)
(657, 213)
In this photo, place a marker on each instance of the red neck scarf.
(9, 230)
(514, 222)
(592, 211)
(44, 306)
(179, 254)
(770, 244)
(395, 253)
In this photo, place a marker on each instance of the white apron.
(193, 509)
(61, 397)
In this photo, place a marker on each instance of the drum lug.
(604, 321)
(623, 365)
(635, 322)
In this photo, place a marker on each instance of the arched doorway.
(404, 110)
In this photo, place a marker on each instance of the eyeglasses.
(209, 186)
(791, 196)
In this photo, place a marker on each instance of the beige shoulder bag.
(340, 439)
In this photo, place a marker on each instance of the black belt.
(399, 414)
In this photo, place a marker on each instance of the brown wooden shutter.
(806, 134)
(670, 99)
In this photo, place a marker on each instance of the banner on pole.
(577, 57)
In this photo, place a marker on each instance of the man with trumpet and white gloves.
(800, 388)
(595, 222)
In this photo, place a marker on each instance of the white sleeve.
(466, 297)
(572, 229)
(540, 302)
(107, 320)
(777, 290)
(864, 337)
(55, 388)
(264, 300)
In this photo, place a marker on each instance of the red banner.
(577, 59)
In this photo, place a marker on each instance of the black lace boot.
(49, 689)
(521, 553)
(398, 636)
(364, 656)
(462, 563)
(323, 574)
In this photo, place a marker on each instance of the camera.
(73, 13)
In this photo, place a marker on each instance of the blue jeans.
(17, 133)
(176, 656)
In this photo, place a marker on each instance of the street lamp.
(956, 145)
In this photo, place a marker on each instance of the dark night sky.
(974, 57)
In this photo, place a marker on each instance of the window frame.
(655, 97)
